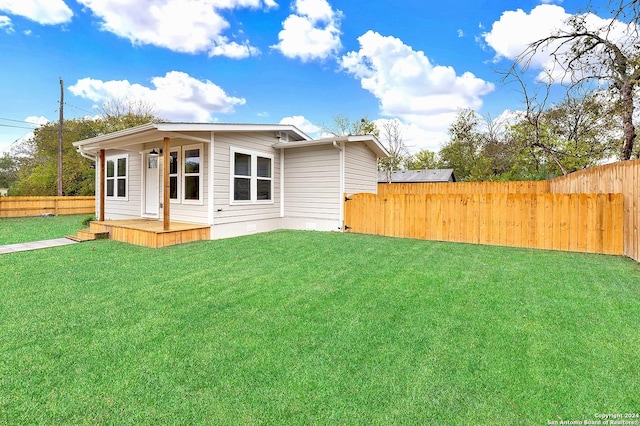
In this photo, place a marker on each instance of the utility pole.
(60, 137)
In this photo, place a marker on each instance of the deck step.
(88, 235)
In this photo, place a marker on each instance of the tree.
(38, 172)
(8, 170)
(586, 130)
(627, 10)
(38, 155)
(342, 125)
(606, 54)
(123, 113)
(578, 132)
(422, 160)
(391, 135)
(531, 135)
(463, 152)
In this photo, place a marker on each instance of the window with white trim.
(192, 174)
(251, 177)
(174, 176)
(116, 177)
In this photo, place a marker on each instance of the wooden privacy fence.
(572, 222)
(35, 206)
(515, 187)
(622, 177)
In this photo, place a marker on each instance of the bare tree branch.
(588, 55)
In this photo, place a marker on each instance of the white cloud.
(303, 124)
(44, 12)
(516, 30)
(312, 32)
(234, 50)
(176, 96)
(37, 120)
(187, 26)
(14, 140)
(417, 136)
(425, 97)
(6, 25)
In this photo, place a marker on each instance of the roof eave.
(370, 140)
(153, 131)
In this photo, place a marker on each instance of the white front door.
(151, 185)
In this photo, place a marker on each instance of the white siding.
(192, 213)
(361, 174)
(312, 183)
(247, 216)
(132, 208)
(126, 209)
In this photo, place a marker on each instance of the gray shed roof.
(416, 176)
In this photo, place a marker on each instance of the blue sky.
(300, 62)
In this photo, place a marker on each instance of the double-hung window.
(116, 181)
(174, 169)
(251, 177)
(192, 173)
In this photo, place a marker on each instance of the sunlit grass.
(25, 229)
(316, 328)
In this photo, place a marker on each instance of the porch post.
(102, 186)
(166, 202)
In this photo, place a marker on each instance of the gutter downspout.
(282, 187)
(100, 184)
(342, 190)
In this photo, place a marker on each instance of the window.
(251, 177)
(192, 174)
(242, 177)
(116, 177)
(174, 161)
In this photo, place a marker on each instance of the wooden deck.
(150, 233)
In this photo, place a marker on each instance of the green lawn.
(295, 327)
(24, 229)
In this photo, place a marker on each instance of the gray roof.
(415, 176)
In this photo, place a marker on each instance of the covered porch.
(151, 233)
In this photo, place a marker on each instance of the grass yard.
(296, 327)
(25, 229)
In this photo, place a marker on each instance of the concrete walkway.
(35, 245)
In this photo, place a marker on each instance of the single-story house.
(233, 178)
(418, 176)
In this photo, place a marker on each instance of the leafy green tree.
(586, 130)
(8, 170)
(575, 134)
(37, 173)
(422, 160)
(464, 151)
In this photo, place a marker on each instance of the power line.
(16, 127)
(79, 109)
(18, 121)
